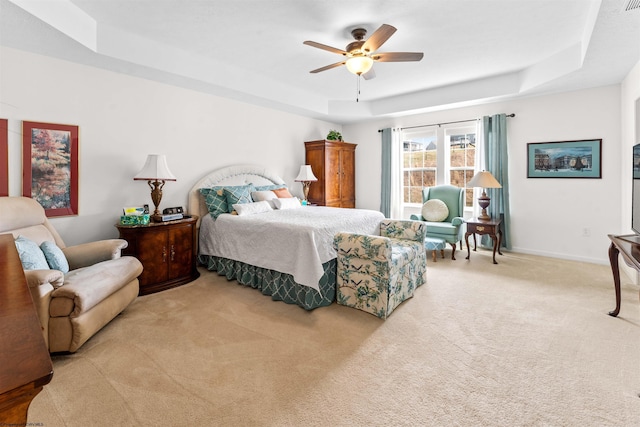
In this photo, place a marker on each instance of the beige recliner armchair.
(100, 283)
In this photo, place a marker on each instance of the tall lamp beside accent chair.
(155, 171)
(484, 180)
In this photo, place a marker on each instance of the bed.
(288, 254)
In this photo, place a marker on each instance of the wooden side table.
(490, 227)
(629, 247)
(166, 250)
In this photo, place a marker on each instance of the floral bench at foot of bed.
(377, 273)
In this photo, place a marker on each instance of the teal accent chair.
(451, 229)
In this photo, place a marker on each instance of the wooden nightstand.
(166, 250)
(490, 227)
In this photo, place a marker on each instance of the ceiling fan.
(361, 53)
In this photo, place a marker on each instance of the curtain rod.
(446, 123)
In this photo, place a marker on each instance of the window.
(420, 164)
(437, 155)
(462, 154)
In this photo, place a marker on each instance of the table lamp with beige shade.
(155, 171)
(484, 180)
(306, 177)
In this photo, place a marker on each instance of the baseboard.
(601, 261)
(631, 273)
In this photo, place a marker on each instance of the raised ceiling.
(475, 50)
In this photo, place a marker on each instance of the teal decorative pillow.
(30, 254)
(215, 200)
(270, 187)
(238, 194)
(55, 257)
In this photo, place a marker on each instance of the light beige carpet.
(527, 342)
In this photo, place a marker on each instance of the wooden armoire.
(334, 164)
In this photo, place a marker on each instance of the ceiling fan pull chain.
(358, 88)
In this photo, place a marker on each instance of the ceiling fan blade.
(325, 47)
(328, 67)
(369, 74)
(397, 56)
(380, 36)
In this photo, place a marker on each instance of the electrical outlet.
(586, 232)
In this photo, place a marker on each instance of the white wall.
(547, 215)
(630, 124)
(121, 119)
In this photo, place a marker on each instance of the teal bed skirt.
(280, 286)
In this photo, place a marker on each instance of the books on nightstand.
(170, 217)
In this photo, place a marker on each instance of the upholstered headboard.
(230, 175)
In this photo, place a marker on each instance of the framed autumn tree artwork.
(50, 166)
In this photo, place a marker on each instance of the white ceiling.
(251, 50)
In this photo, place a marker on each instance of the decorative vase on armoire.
(334, 164)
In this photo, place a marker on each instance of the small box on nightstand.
(135, 219)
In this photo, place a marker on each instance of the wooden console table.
(25, 365)
(629, 247)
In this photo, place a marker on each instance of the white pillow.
(252, 208)
(259, 196)
(287, 203)
(435, 210)
(266, 195)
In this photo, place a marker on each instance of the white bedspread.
(292, 241)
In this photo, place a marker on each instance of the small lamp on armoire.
(306, 177)
(155, 171)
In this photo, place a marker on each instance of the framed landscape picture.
(50, 166)
(4, 158)
(565, 159)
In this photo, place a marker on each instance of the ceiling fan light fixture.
(360, 54)
(359, 64)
